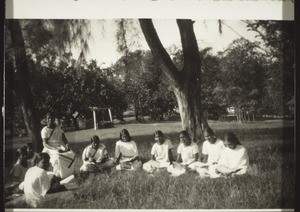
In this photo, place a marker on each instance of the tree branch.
(159, 52)
(192, 63)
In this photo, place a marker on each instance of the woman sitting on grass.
(95, 156)
(187, 155)
(126, 153)
(161, 153)
(234, 159)
(211, 149)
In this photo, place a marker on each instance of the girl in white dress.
(161, 153)
(126, 153)
(234, 159)
(187, 155)
(212, 149)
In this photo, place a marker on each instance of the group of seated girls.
(34, 173)
(221, 158)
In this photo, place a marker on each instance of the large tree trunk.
(22, 88)
(185, 83)
(192, 118)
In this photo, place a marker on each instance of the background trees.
(65, 87)
(277, 38)
(242, 79)
(139, 75)
(44, 77)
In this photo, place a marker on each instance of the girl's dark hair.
(209, 131)
(125, 132)
(95, 138)
(185, 133)
(21, 151)
(43, 156)
(231, 138)
(158, 132)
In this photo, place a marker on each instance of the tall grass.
(270, 147)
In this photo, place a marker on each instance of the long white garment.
(36, 184)
(161, 153)
(127, 149)
(235, 159)
(231, 161)
(213, 150)
(176, 169)
(188, 159)
(188, 152)
(62, 163)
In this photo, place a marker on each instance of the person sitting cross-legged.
(95, 156)
(233, 161)
(211, 149)
(161, 153)
(187, 155)
(126, 153)
(57, 146)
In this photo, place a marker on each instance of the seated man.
(38, 182)
(95, 156)
(57, 146)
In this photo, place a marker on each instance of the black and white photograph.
(116, 111)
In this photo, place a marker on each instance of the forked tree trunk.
(22, 88)
(184, 83)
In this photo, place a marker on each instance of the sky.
(103, 42)
(206, 13)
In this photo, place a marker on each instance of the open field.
(270, 146)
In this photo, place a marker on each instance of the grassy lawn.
(270, 146)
